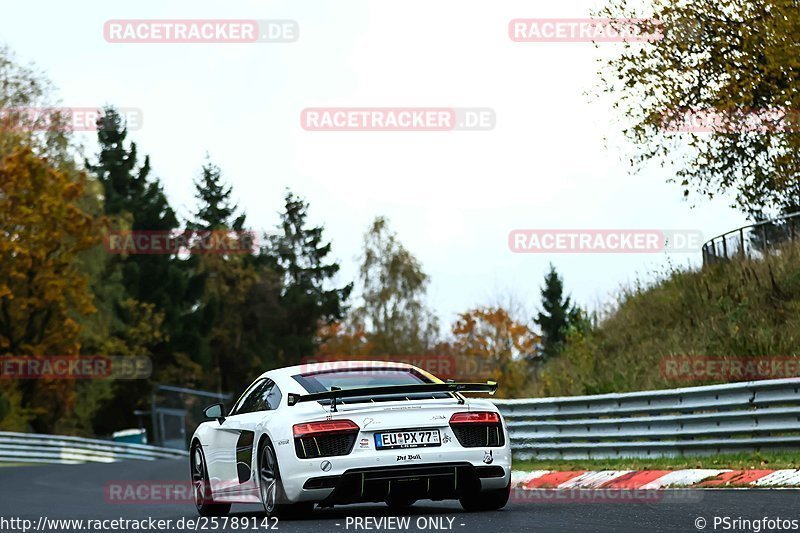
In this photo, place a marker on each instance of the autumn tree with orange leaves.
(42, 231)
(490, 344)
(342, 341)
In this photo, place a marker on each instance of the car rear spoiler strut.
(390, 390)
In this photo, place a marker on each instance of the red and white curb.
(653, 479)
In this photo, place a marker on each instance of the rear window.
(354, 378)
(367, 377)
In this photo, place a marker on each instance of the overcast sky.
(554, 160)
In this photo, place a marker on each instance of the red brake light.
(324, 427)
(480, 417)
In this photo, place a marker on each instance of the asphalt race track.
(77, 492)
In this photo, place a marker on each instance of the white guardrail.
(36, 448)
(734, 417)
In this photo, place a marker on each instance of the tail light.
(324, 438)
(480, 417)
(478, 429)
(324, 427)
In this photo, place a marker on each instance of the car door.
(242, 426)
(226, 438)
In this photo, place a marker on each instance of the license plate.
(414, 438)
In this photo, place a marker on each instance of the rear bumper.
(437, 476)
(431, 482)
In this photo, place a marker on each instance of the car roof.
(285, 373)
(283, 376)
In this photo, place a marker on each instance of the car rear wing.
(391, 390)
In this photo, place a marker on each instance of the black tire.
(271, 488)
(295, 511)
(400, 503)
(489, 500)
(203, 500)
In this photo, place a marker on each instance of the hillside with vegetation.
(729, 311)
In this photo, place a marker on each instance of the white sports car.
(349, 432)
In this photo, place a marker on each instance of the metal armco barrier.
(754, 240)
(36, 448)
(734, 417)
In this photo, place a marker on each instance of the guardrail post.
(741, 241)
(725, 247)
(153, 425)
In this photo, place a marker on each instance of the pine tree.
(300, 255)
(131, 197)
(221, 288)
(133, 200)
(558, 313)
(216, 210)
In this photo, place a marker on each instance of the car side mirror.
(215, 410)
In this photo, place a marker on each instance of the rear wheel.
(268, 479)
(203, 500)
(270, 485)
(489, 500)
